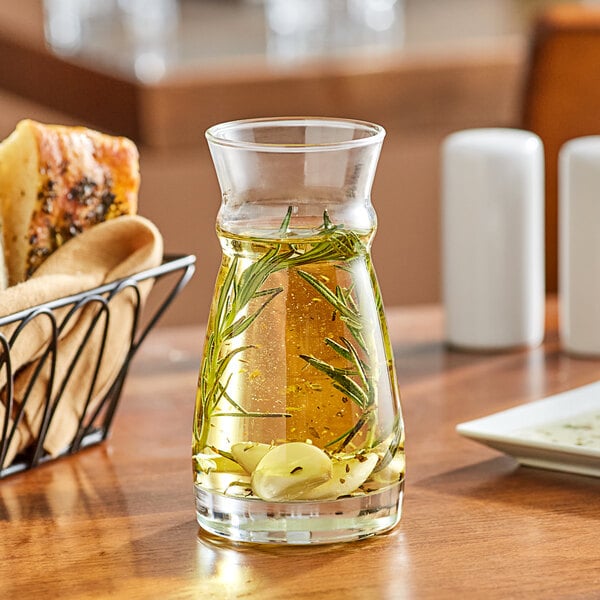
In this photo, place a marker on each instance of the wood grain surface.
(117, 520)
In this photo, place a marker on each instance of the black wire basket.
(95, 414)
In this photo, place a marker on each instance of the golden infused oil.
(297, 395)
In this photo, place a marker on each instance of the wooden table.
(118, 520)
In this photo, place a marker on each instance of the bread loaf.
(55, 182)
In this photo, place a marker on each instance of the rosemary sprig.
(231, 317)
(355, 380)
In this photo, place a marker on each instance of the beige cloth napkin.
(109, 251)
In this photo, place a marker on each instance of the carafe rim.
(220, 134)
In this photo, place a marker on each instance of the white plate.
(561, 432)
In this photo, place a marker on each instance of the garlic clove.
(210, 462)
(288, 470)
(249, 454)
(393, 472)
(348, 475)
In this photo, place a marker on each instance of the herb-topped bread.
(55, 182)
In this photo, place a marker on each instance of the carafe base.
(299, 523)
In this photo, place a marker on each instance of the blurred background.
(162, 71)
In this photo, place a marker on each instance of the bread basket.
(96, 414)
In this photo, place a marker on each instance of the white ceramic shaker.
(579, 245)
(492, 208)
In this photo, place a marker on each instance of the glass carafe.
(298, 434)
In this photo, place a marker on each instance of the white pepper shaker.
(493, 282)
(579, 245)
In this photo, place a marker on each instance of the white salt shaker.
(493, 239)
(579, 245)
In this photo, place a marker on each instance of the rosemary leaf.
(219, 371)
(351, 303)
(345, 353)
(351, 393)
(250, 414)
(359, 364)
(362, 421)
(347, 243)
(351, 321)
(394, 446)
(253, 277)
(356, 331)
(222, 393)
(341, 350)
(339, 438)
(229, 281)
(227, 359)
(339, 377)
(276, 290)
(285, 224)
(350, 433)
(210, 347)
(326, 367)
(327, 224)
(245, 321)
(328, 295)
